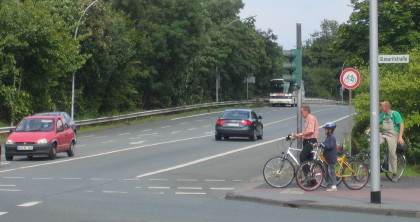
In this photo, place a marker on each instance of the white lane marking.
(29, 204)
(186, 180)
(203, 114)
(9, 190)
(69, 178)
(130, 179)
(14, 177)
(189, 188)
(154, 179)
(4, 163)
(114, 192)
(184, 123)
(175, 132)
(111, 141)
(99, 137)
(86, 136)
(135, 143)
(209, 132)
(42, 178)
(206, 126)
(164, 127)
(80, 145)
(159, 188)
(146, 130)
(214, 156)
(150, 134)
(192, 129)
(215, 180)
(157, 193)
(123, 134)
(189, 193)
(6, 185)
(3, 213)
(222, 188)
(98, 179)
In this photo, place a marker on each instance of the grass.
(412, 170)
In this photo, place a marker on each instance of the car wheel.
(261, 135)
(217, 137)
(254, 135)
(53, 152)
(71, 151)
(9, 157)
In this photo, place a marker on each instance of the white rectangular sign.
(393, 59)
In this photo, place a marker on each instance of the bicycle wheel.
(401, 164)
(309, 175)
(278, 172)
(357, 176)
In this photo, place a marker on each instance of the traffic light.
(294, 66)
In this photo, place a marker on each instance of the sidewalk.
(402, 202)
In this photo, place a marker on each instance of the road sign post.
(350, 79)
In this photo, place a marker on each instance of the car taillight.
(220, 122)
(246, 122)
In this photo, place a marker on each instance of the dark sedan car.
(239, 123)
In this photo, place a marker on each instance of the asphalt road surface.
(166, 170)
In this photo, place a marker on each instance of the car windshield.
(235, 114)
(35, 125)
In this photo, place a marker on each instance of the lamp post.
(217, 68)
(75, 37)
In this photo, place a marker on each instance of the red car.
(40, 135)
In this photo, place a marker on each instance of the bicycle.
(279, 171)
(310, 174)
(401, 161)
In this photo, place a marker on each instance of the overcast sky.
(281, 16)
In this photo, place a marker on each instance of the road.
(166, 170)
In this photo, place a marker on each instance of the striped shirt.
(311, 125)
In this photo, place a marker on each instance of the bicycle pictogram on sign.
(350, 78)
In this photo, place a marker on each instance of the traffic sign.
(394, 58)
(350, 78)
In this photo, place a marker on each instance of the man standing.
(392, 133)
(309, 134)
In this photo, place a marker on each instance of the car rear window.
(35, 125)
(235, 114)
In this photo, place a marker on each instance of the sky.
(281, 16)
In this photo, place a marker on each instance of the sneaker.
(394, 177)
(332, 189)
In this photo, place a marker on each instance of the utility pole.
(299, 96)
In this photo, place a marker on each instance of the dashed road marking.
(189, 188)
(21, 178)
(164, 127)
(175, 132)
(215, 180)
(7, 185)
(206, 126)
(86, 136)
(9, 190)
(159, 188)
(187, 180)
(123, 134)
(29, 204)
(110, 141)
(222, 188)
(146, 130)
(157, 179)
(3, 213)
(184, 123)
(138, 142)
(114, 192)
(189, 193)
(81, 145)
(192, 129)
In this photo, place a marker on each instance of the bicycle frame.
(289, 153)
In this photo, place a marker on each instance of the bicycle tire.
(356, 177)
(311, 180)
(278, 172)
(401, 164)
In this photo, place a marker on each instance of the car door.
(257, 122)
(60, 135)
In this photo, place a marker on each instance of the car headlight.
(42, 141)
(9, 142)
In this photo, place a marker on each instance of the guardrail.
(147, 113)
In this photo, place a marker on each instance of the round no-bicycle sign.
(350, 78)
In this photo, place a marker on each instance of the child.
(330, 153)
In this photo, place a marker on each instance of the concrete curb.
(314, 205)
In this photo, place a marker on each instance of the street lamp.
(217, 70)
(75, 37)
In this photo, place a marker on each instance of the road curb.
(315, 205)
